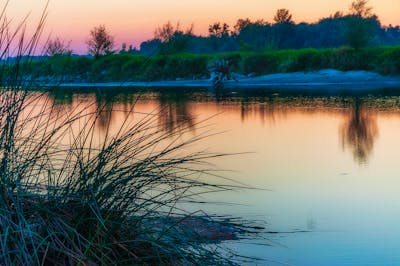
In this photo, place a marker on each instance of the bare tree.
(166, 32)
(100, 42)
(57, 47)
(283, 16)
(360, 8)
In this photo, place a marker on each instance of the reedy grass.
(71, 196)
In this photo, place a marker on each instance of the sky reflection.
(177, 110)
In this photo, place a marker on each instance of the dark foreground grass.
(69, 198)
(70, 195)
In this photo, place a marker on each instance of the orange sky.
(133, 21)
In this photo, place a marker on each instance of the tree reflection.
(61, 97)
(174, 111)
(114, 107)
(359, 132)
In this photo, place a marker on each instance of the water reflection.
(104, 111)
(175, 113)
(61, 97)
(179, 109)
(298, 143)
(266, 108)
(359, 131)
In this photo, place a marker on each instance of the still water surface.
(326, 166)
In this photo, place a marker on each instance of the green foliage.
(175, 66)
(173, 39)
(264, 63)
(358, 32)
(178, 43)
(388, 61)
(133, 67)
(128, 67)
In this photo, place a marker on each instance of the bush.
(264, 63)
(388, 62)
(132, 68)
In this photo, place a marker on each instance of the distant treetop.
(57, 47)
(100, 42)
(360, 8)
(283, 16)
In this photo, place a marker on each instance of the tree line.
(357, 28)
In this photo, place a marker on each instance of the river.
(324, 170)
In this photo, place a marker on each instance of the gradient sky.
(133, 21)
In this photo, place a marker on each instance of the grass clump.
(70, 195)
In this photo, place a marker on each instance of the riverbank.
(171, 67)
(323, 79)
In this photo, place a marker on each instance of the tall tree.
(360, 8)
(165, 32)
(283, 16)
(173, 39)
(241, 24)
(100, 42)
(360, 24)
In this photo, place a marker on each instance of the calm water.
(328, 166)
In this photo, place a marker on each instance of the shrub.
(264, 63)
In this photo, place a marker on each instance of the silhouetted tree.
(241, 24)
(100, 42)
(358, 28)
(218, 30)
(151, 47)
(165, 32)
(253, 35)
(360, 8)
(173, 39)
(359, 32)
(57, 47)
(337, 14)
(283, 16)
(360, 24)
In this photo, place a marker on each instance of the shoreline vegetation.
(345, 41)
(323, 80)
(318, 65)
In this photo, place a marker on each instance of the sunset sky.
(133, 21)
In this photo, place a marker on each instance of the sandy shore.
(327, 78)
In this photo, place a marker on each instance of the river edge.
(328, 78)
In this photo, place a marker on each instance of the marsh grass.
(71, 196)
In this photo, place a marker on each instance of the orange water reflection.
(176, 110)
(359, 131)
(306, 151)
